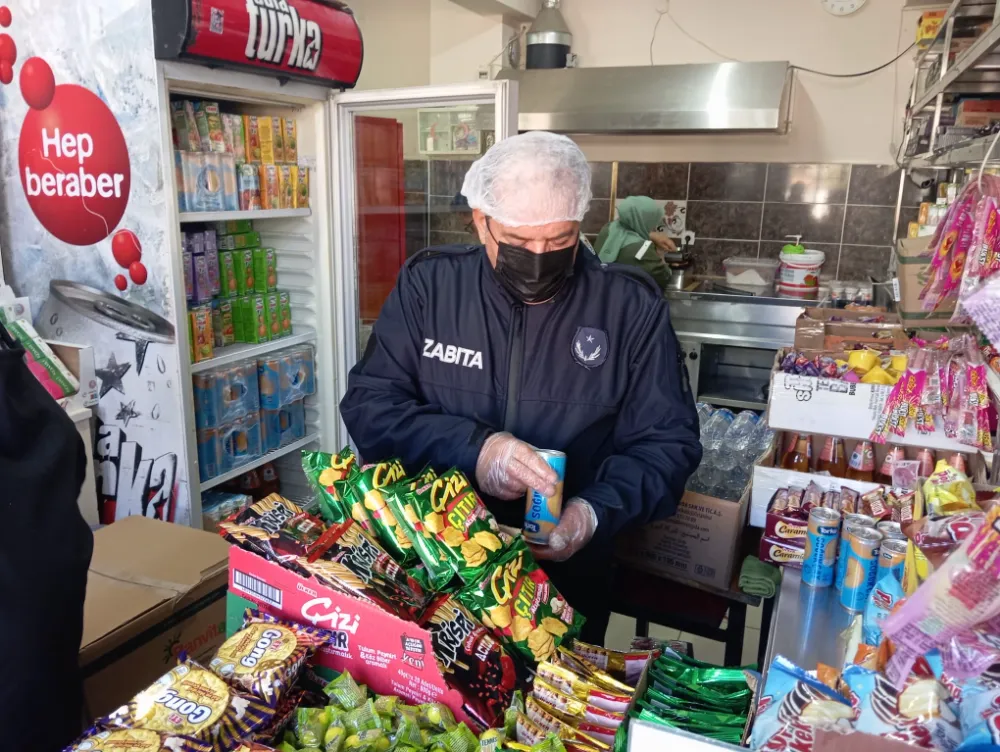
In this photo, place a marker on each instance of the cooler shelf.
(188, 217)
(269, 457)
(236, 353)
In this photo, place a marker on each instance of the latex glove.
(662, 242)
(575, 529)
(508, 467)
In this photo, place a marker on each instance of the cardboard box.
(390, 655)
(767, 480)
(832, 407)
(153, 590)
(912, 269)
(701, 542)
(79, 359)
(833, 329)
(977, 112)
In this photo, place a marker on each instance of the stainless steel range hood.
(694, 98)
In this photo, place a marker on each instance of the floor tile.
(753, 616)
(751, 642)
(621, 630)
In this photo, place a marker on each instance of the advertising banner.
(82, 207)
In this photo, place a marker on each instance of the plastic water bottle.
(762, 441)
(704, 413)
(739, 436)
(714, 431)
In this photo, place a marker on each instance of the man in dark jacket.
(481, 354)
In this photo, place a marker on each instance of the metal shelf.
(188, 217)
(236, 353)
(979, 49)
(269, 457)
(967, 153)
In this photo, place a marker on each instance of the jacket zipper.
(514, 366)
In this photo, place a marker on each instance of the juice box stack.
(227, 161)
(250, 408)
(231, 284)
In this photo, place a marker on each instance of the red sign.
(314, 40)
(390, 655)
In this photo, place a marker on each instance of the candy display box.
(390, 655)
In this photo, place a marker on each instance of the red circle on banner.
(74, 166)
(125, 248)
(137, 271)
(6, 72)
(38, 85)
(120, 282)
(8, 50)
(5, 17)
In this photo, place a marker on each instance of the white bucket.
(798, 275)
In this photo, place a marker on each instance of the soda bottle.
(799, 456)
(927, 461)
(862, 464)
(832, 459)
(885, 473)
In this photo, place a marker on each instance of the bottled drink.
(885, 473)
(832, 459)
(957, 461)
(715, 429)
(862, 464)
(927, 461)
(799, 458)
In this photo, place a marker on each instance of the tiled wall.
(735, 209)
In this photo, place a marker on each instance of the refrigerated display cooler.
(337, 259)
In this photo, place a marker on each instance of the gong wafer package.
(425, 544)
(266, 656)
(471, 660)
(327, 473)
(274, 528)
(192, 701)
(570, 683)
(464, 530)
(516, 599)
(137, 740)
(366, 487)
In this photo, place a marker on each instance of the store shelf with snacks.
(253, 214)
(235, 353)
(295, 446)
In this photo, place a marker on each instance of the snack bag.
(570, 683)
(919, 714)
(571, 660)
(274, 528)
(887, 592)
(137, 740)
(979, 713)
(465, 532)
(792, 705)
(948, 491)
(324, 471)
(266, 656)
(365, 487)
(397, 497)
(576, 711)
(962, 593)
(516, 599)
(471, 661)
(192, 701)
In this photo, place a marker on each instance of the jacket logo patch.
(461, 356)
(590, 347)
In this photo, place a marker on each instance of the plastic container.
(753, 274)
(798, 274)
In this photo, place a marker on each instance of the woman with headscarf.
(632, 238)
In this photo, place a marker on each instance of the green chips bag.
(328, 474)
(464, 532)
(516, 599)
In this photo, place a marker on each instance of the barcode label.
(257, 588)
(895, 290)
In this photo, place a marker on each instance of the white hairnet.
(530, 180)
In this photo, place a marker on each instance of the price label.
(895, 289)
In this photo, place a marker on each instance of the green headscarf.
(637, 217)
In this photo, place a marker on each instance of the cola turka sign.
(314, 40)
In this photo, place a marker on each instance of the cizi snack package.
(368, 487)
(274, 528)
(324, 471)
(516, 599)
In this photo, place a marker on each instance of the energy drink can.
(862, 567)
(821, 547)
(892, 558)
(891, 530)
(850, 521)
(541, 514)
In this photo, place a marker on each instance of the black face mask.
(532, 277)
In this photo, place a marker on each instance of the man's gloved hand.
(575, 529)
(508, 467)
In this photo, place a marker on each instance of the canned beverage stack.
(862, 567)
(851, 522)
(820, 556)
(541, 514)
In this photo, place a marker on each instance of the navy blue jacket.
(596, 373)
